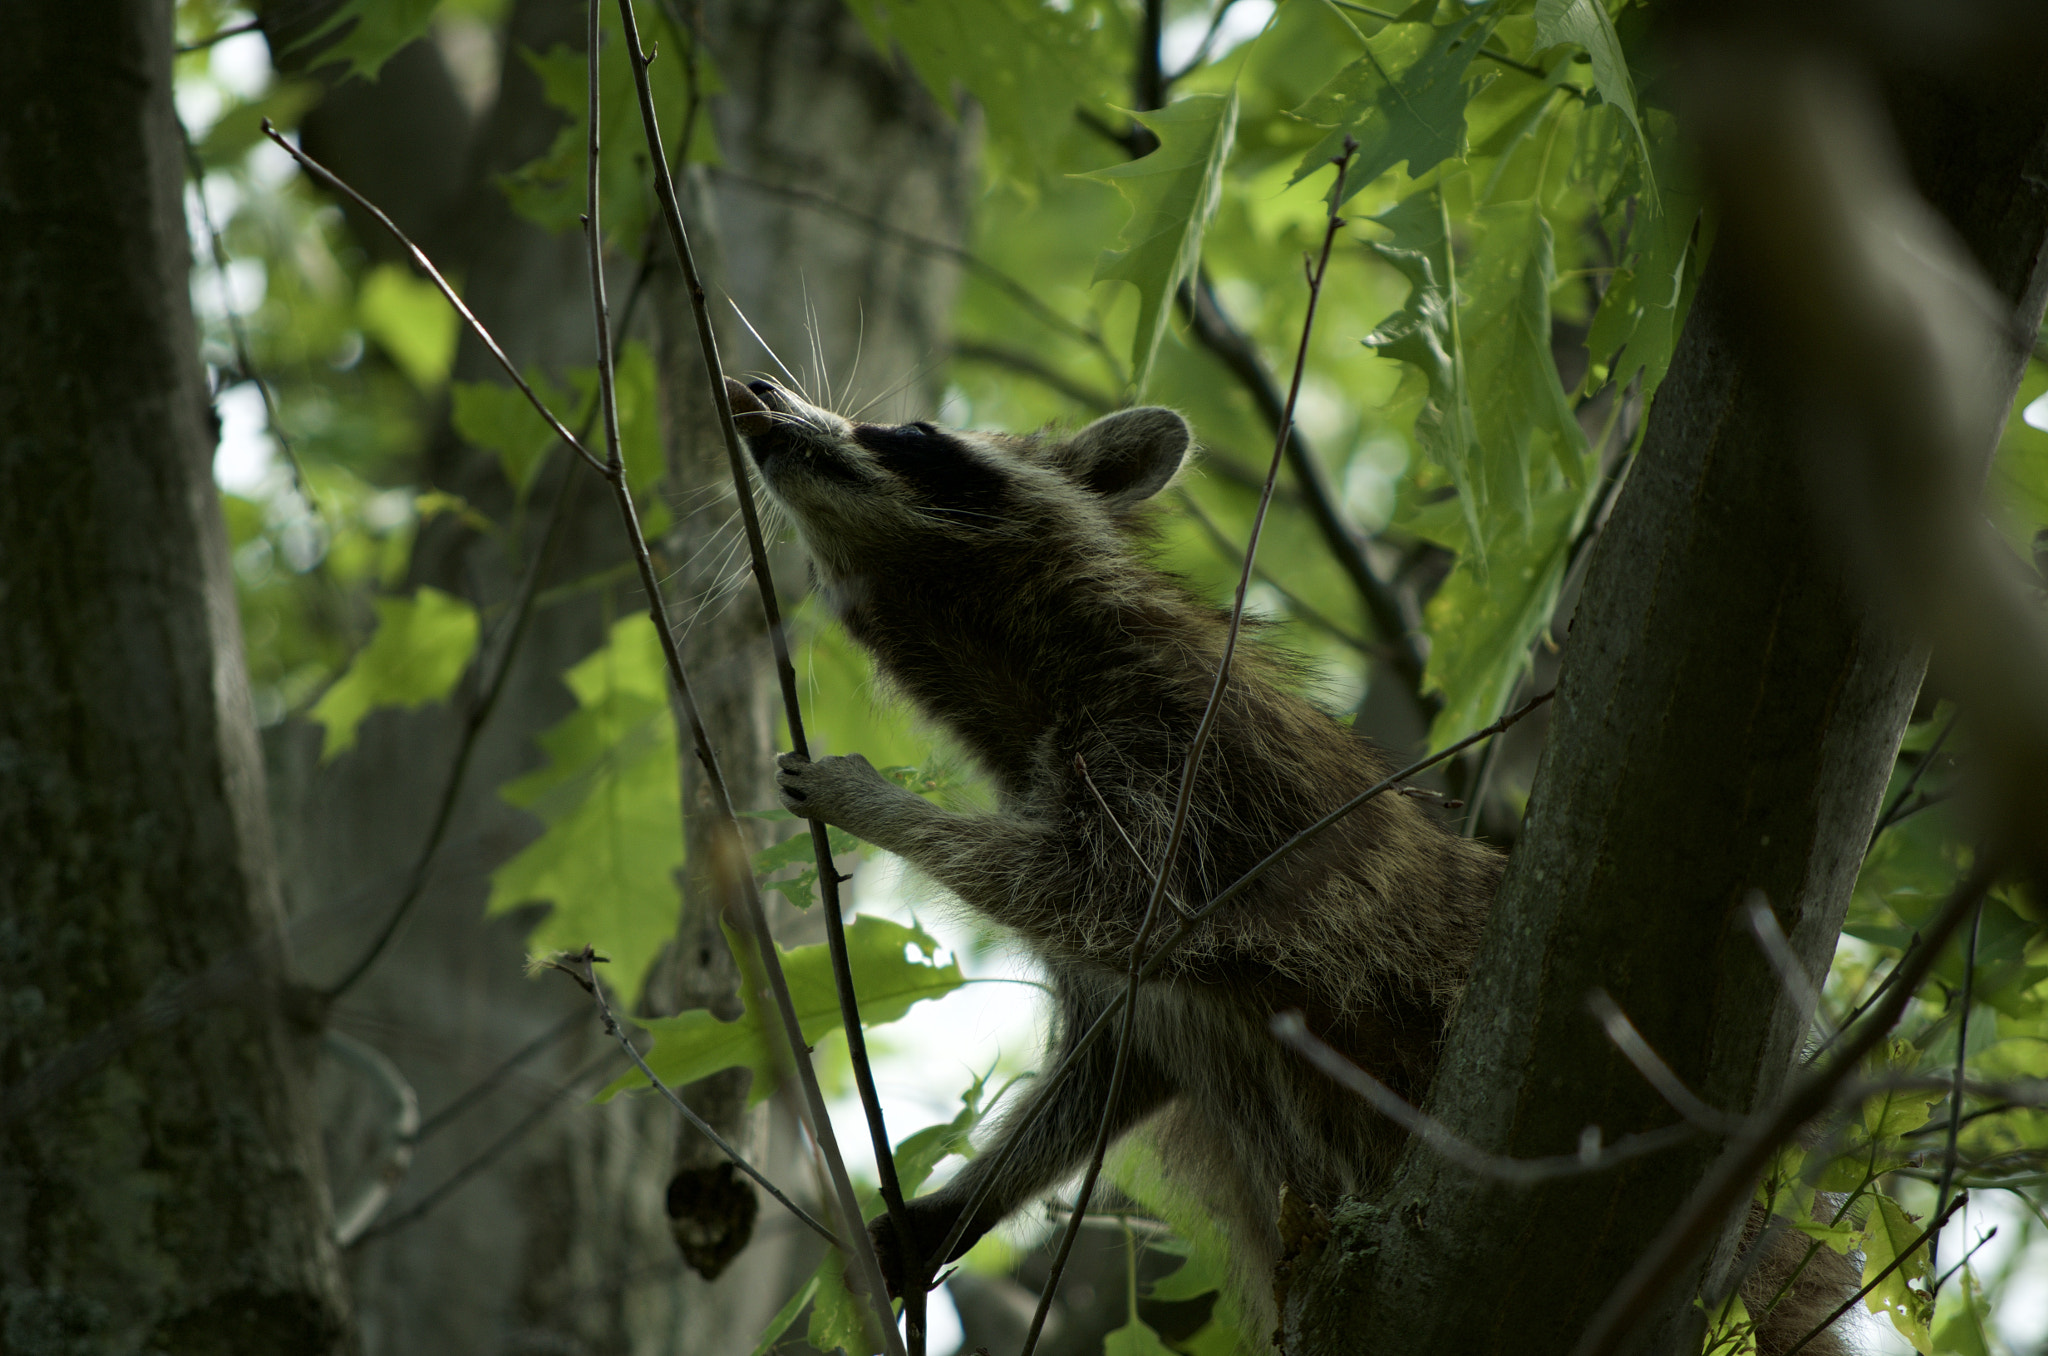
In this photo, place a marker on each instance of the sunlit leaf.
(411, 321)
(1584, 23)
(421, 647)
(1134, 1338)
(1029, 65)
(786, 1315)
(894, 967)
(1902, 1296)
(1403, 101)
(372, 31)
(611, 799)
(1173, 193)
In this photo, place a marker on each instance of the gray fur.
(998, 584)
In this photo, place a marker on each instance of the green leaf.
(499, 419)
(786, 1315)
(611, 799)
(1134, 1165)
(378, 29)
(1646, 299)
(1960, 1314)
(1029, 65)
(1901, 1296)
(412, 321)
(1134, 1338)
(1403, 101)
(917, 1154)
(887, 981)
(421, 647)
(1584, 23)
(1173, 193)
(1729, 1330)
(552, 190)
(795, 849)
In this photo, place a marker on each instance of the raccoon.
(1000, 583)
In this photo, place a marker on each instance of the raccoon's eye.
(921, 428)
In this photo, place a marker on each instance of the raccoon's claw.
(834, 789)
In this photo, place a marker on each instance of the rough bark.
(160, 1181)
(1725, 721)
(563, 1243)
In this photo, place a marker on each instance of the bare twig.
(483, 1087)
(426, 266)
(1895, 812)
(1390, 612)
(1731, 1177)
(1185, 798)
(1654, 1070)
(1186, 929)
(221, 35)
(1955, 1097)
(1940, 1218)
(1293, 1032)
(862, 1253)
(1778, 951)
(589, 980)
(351, 1218)
(490, 1154)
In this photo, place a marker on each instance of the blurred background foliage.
(1517, 256)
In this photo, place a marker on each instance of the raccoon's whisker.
(916, 374)
(766, 347)
(860, 336)
(819, 381)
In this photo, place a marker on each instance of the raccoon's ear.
(1128, 456)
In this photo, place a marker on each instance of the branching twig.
(1955, 1097)
(426, 266)
(1213, 328)
(1200, 743)
(589, 980)
(483, 1087)
(861, 1253)
(1731, 1176)
(1293, 1031)
(1896, 811)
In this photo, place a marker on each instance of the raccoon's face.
(865, 493)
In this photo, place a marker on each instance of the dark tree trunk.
(1726, 719)
(160, 1180)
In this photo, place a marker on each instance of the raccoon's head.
(868, 496)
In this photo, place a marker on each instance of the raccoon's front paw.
(844, 791)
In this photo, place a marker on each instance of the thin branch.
(1895, 812)
(1297, 605)
(1955, 1097)
(862, 1252)
(1036, 368)
(483, 1087)
(514, 631)
(490, 1154)
(1390, 613)
(1778, 951)
(353, 1217)
(220, 35)
(1731, 1177)
(1654, 1070)
(1184, 930)
(426, 266)
(240, 337)
(588, 979)
(1197, 747)
(1874, 1282)
(1292, 1031)
(1202, 48)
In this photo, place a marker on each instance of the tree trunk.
(1726, 719)
(160, 1186)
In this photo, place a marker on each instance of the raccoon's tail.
(1793, 1287)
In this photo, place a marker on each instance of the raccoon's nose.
(750, 411)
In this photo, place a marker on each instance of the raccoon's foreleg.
(1046, 1137)
(1007, 867)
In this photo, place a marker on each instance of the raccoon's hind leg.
(1045, 1137)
